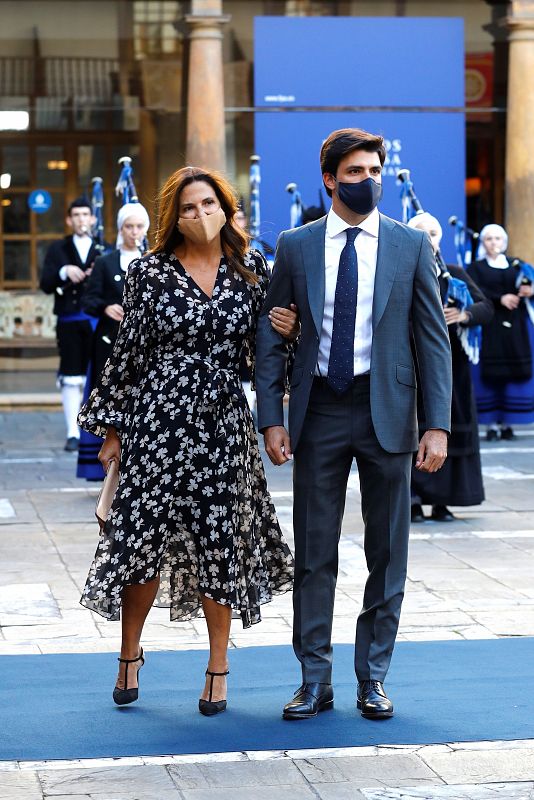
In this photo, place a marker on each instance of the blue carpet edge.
(424, 678)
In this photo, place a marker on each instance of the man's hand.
(453, 314)
(75, 274)
(277, 444)
(526, 290)
(285, 321)
(115, 312)
(510, 301)
(432, 451)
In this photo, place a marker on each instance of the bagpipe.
(256, 242)
(295, 209)
(126, 187)
(125, 184)
(254, 178)
(525, 278)
(465, 241)
(300, 214)
(410, 203)
(457, 293)
(97, 207)
(97, 230)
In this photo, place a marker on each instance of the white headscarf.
(427, 218)
(501, 261)
(131, 210)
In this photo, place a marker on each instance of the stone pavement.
(468, 579)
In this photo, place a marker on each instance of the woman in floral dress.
(192, 523)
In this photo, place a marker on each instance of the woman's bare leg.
(218, 619)
(137, 601)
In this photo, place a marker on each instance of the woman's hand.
(111, 449)
(510, 301)
(285, 321)
(114, 311)
(453, 314)
(526, 290)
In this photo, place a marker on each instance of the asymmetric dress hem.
(192, 503)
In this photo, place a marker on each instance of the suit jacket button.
(311, 373)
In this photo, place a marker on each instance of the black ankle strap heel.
(208, 707)
(124, 696)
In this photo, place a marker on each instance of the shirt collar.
(335, 225)
(501, 262)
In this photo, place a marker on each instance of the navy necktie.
(341, 362)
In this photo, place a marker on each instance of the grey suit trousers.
(336, 430)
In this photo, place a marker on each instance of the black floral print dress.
(192, 503)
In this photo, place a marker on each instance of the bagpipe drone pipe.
(457, 293)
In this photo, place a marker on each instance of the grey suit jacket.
(406, 301)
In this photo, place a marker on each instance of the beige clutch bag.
(107, 493)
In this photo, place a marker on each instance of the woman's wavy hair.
(235, 241)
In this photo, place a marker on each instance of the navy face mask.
(360, 197)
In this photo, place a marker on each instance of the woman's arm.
(109, 401)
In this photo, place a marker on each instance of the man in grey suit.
(364, 286)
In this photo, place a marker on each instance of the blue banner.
(431, 144)
(359, 61)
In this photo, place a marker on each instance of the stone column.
(205, 134)
(520, 131)
(496, 173)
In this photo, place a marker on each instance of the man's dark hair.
(340, 143)
(80, 202)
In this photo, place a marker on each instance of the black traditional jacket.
(68, 295)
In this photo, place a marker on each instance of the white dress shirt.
(366, 244)
(82, 244)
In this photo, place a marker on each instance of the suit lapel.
(91, 256)
(312, 249)
(115, 271)
(116, 263)
(386, 266)
(75, 256)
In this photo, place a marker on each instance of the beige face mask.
(202, 230)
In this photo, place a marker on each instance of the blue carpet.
(60, 706)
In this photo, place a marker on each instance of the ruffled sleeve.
(116, 387)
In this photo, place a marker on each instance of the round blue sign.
(40, 201)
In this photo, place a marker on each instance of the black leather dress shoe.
(373, 701)
(417, 513)
(442, 514)
(492, 435)
(71, 445)
(309, 700)
(507, 434)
